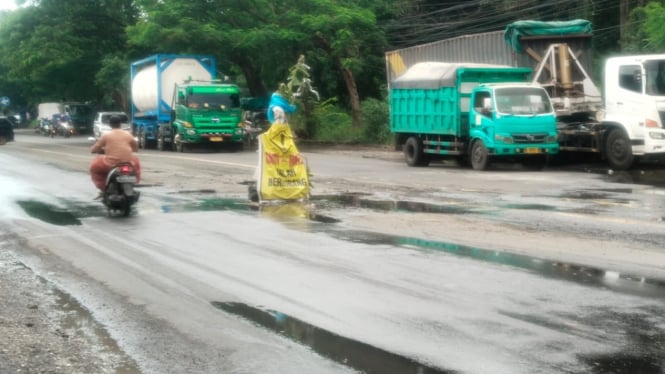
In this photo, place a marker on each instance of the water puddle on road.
(586, 275)
(49, 213)
(361, 201)
(205, 205)
(348, 352)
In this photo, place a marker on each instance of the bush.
(375, 121)
(334, 124)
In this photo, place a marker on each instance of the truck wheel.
(479, 156)
(413, 152)
(178, 144)
(160, 143)
(618, 150)
(3, 140)
(143, 140)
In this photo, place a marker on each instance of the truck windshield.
(522, 100)
(213, 101)
(655, 77)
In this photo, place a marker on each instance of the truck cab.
(512, 119)
(634, 108)
(208, 113)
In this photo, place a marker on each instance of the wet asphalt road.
(217, 285)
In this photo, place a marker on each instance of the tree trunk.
(254, 81)
(349, 80)
(354, 98)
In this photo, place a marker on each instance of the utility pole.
(624, 10)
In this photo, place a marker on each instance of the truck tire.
(143, 140)
(479, 156)
(160, 143)
(180, 147)
(413, 152)
(618, 150)
(3, 140)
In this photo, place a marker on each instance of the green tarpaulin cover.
(518, 29)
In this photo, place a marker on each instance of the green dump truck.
(472, 113)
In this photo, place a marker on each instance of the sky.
(7, 5)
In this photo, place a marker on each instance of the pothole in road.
(49, 213)
(361, 201)
(571, 272)
(348, 352)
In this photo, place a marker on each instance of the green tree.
(652, 33)
(113, 81)
(258, 37)
(56, 48)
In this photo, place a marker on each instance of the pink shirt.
(118, 146)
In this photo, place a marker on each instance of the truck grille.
(529, 138)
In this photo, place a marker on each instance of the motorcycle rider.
(118, 146)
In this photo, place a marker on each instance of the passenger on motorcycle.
(118, 146)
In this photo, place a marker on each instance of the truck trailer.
(472, 113)
(177, 102)
(621, 125)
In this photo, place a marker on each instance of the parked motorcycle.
(119, 194)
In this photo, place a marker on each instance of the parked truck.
(473, 113)
(622, 125)
(177, 102)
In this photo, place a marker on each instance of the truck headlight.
(191, 132)
(656, 135)
(239, 131)
(503, 139)
(551, 139)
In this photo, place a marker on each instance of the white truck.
(47, 110)
(624, 124)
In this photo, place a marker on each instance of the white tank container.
(144, 85)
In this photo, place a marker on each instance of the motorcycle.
(119, 194)
(47, 128)
(65, 128)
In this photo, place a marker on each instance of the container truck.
(621, 125)
(177, 102)
(472, 113)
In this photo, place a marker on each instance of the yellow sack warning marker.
(282, 170)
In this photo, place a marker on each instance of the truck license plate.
(216, 139)
(532, 150)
